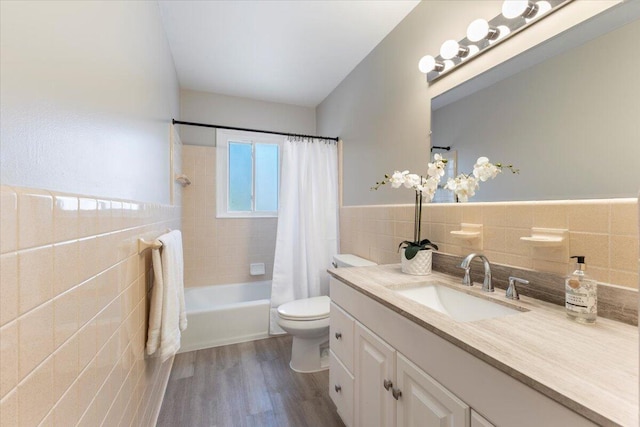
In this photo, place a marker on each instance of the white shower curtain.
(307, 236)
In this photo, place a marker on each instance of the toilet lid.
(305, 309)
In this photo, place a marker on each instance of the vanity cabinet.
(392, 391)
(384, 388)
(435, 381)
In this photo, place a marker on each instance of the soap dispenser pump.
(581, 294)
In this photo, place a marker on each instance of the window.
(248, 174)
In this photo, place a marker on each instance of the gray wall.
(382, 110)
(88, 90)
(202, 107)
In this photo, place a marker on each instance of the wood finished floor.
(246, 385)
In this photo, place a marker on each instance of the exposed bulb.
(518, 8)
(428, 63)
(451, 48)
(480, 30)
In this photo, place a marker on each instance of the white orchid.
(398, 178)
(436, 169)
(464, 186)
(483, 170)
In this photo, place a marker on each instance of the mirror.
(566, 113)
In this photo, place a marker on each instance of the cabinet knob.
(387, 384)
(396, 393)
(338, 388)
(338, 335)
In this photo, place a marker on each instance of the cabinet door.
(341, 389)
(425, 402)
(341, 326)
(374, 364)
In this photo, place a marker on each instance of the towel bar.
(143, 244)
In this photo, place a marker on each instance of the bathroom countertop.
(591, 369)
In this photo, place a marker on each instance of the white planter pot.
(420, 265)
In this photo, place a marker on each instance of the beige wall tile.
(624, 253)
(66, 410)
(549, 215)
(87, 345)
(35, 337)
(588, 217)
(104, 220)
(35, 218)
(8, 287)
(513, 244)
(65, 217)
(494, 239)
(65, 367)
(624, 218)
(9, 409)
(494, 215)
(66, 262)
(624, 278)
(88, 216)
(595, 247)
(9, 358)
(34, 277)
(8, 219)
(519, 216)
(35, 394)
(65, 316)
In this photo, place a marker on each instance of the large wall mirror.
(566, 113)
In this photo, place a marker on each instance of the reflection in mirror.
(571, 123)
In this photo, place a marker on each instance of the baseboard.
(165, 373)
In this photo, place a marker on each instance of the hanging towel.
(167, 316)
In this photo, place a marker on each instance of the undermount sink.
(458, 305)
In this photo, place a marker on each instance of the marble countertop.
(591, 369)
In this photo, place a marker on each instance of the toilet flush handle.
(338, 335)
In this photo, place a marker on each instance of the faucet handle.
(512, 290)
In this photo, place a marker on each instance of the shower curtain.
(307, 236)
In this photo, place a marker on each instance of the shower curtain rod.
(204, 125)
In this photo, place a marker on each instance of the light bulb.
(428, 64)
(451, 48)
(480, 30)
(518, 8)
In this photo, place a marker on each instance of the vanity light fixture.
(516, 15)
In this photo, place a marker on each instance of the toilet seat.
(315, 308)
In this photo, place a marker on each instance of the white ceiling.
(294, 52)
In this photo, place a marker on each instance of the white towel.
(167, 316)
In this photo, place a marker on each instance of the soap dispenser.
(581, 294)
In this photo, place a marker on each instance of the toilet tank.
(350, 260)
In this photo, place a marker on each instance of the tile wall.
(73, 310)
(219, 251)
(605, 231)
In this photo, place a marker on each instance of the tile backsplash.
(219, 250)
(74, 307)
(605, 231)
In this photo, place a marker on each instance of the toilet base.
(310, 354)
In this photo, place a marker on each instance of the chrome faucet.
(487, 286)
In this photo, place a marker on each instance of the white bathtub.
(226, 314)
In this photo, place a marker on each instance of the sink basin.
(458, 305)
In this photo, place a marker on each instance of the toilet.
(308, 321)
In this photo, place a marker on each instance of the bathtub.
(226, 314)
